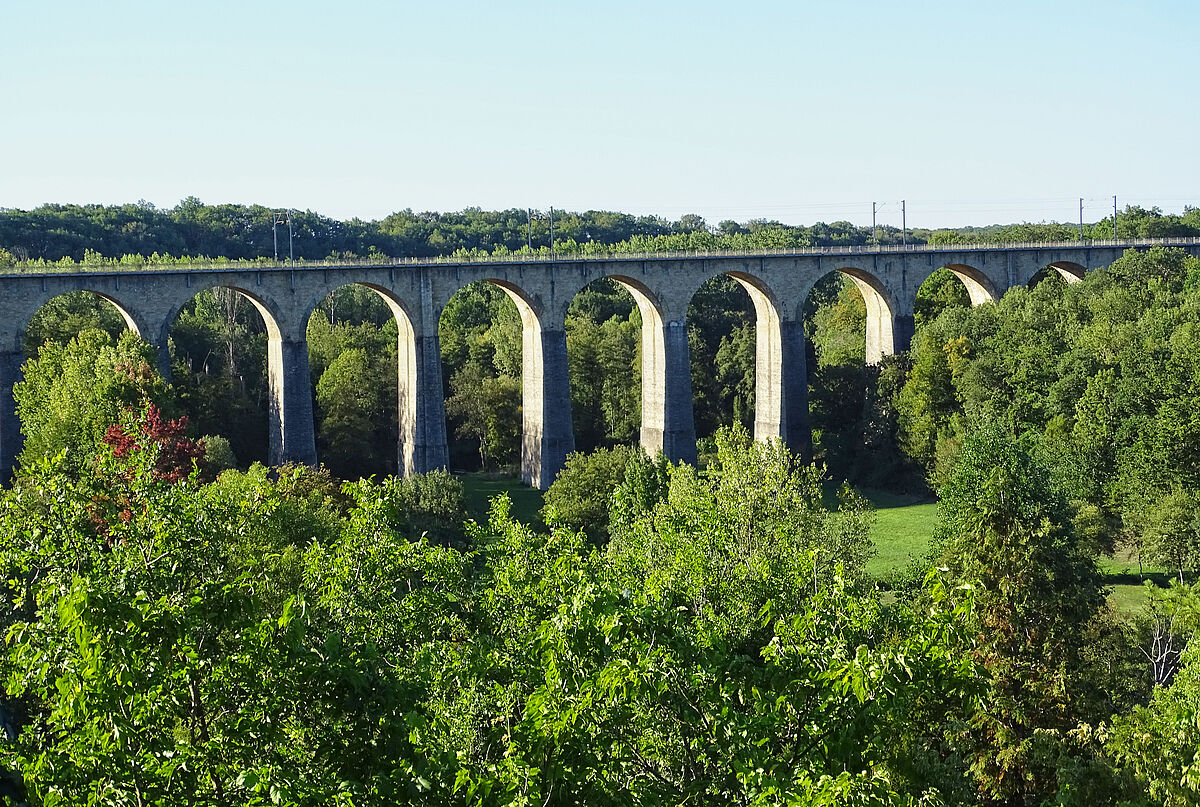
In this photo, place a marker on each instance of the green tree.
(941, 290)
(1170, 533)
(487, 408)
(702, 657)
(1156, 742)
(66, 315)
(838, 328)
(581, 493)
(147, 669)
(71, 393)
(721, 345)
(771, 513)
(1004, 529)
(350, 404)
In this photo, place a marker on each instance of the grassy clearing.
(904, 527)
(1127, 599)
(480, 487)
(902, 531)
(901, 534)
(1127, 576)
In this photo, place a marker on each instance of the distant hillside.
(56, 231)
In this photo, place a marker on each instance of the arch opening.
(948, 287)
(361, 352)
(722, 325)
(842, 312)
(485, 331)
(836, 318)
(979, 288)
(605, 342)
(1069, 271)
(64, 316)
(85, 376)
(879, 339)
(1059, 272)
(221, 344)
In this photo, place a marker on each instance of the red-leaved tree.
(177, 453)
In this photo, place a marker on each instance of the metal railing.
(242, 265)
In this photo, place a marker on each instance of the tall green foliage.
(721, 345)
(1158, 743)
(1004, 528)
(71, 393)
(603, 330)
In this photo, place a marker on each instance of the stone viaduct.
(662, 284)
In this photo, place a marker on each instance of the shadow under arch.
(979, 288)
(547, 433)
(881, 311)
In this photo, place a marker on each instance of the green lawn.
(903, 529)
(904, 526)
(1123, 572)
(479, 488)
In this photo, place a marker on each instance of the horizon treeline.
(53, 232)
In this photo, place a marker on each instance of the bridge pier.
(547, 433)
(11, 438)
(423, 446)
(781, 387)
(904, 327)
(668, 424)
(164, 360)
(290, 410)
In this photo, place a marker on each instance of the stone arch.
(531, 314)
(667, 424)
(881, 315)
(420, 410)
(1070, 271)
(1066, 271)
(547, 434)
(269, 312)
(20, 312)
(289, 398)
(770, 372)
(979, 287)
(130, 321)
(133, 321)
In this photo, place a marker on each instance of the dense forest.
(185, 625)
(137, 232)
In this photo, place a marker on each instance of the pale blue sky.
(974, 112)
